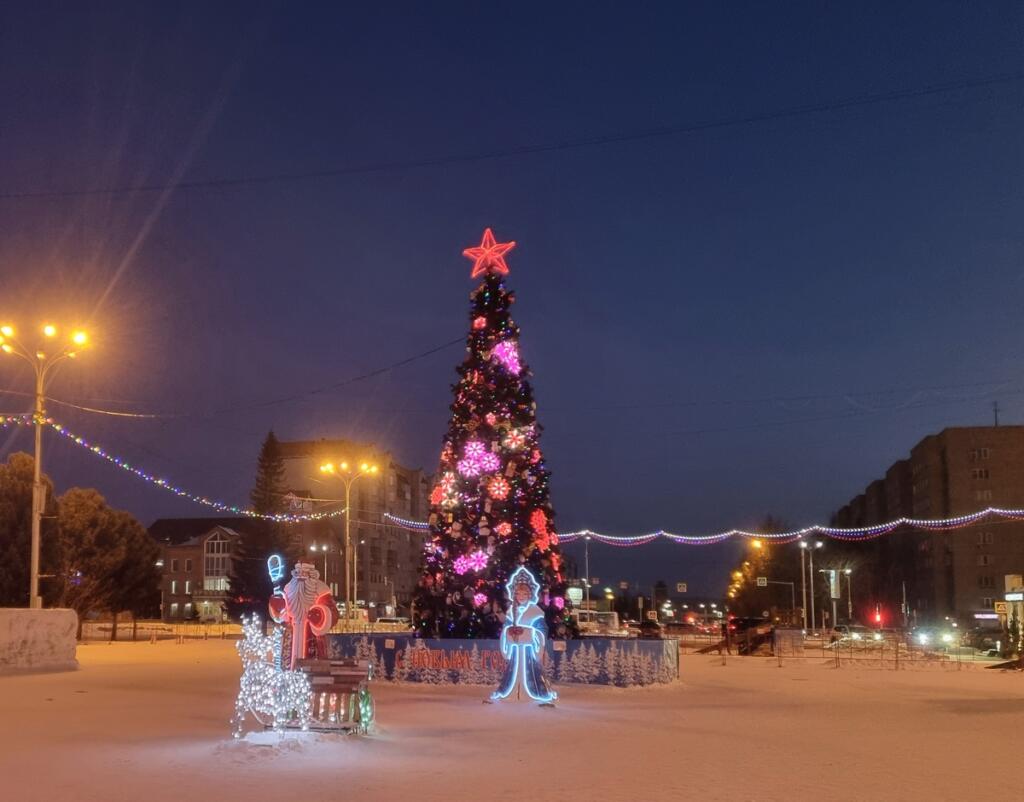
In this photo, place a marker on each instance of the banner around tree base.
(593, 661)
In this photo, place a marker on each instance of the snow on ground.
(150, 722)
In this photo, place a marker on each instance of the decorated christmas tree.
(490, 509)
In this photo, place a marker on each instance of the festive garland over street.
(853, 534)
(837, 533)
(125, 465)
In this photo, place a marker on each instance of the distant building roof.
(175, 531)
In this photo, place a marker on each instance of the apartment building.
(960, 574)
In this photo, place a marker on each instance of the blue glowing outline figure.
(275, 567)
(522, 641)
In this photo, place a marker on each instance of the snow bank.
(37, 640)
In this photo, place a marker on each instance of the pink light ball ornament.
(480, 323)
(559, 602)
(507, 354)
(479, 599)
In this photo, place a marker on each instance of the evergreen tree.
(490, 509)
(250, 587)
(15, 532)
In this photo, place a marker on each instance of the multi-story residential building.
(960, 573)
(387, 556)
(196, 558)
(196, 552)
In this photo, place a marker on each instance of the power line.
(529, 150)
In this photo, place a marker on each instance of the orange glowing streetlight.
(343, 471)
(43, 356)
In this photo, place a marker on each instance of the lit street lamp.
(44, 360)
(345, 472)
(849, 594)
(586, 569)
(315, 548)
(805, 546)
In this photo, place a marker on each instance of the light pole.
(43, 362)
(803, 582)
(849, 594)
(315, 548)
(355, 571)
(810, 555)
(586, 568)
(344, 472)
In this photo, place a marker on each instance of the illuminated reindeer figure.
(265, 690)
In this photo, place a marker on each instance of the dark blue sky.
(722, 324)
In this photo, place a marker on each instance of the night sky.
(723, 322)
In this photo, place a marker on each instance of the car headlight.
(878, 636)
(856, 636)
(947, 638)
(922, 639)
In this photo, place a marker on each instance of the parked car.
(596, 623)
(651, 630)
(857, 633)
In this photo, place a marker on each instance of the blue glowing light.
(275, 565)
(522, 641)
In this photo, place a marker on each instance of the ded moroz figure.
(522, 642)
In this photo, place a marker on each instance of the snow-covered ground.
(149, 722)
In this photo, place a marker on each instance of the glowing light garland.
(837, 533)
(125, 465)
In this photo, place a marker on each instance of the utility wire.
(528, 150)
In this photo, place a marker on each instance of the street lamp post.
(314, 548)
(344, 472)
(849, 594)
(810, 555)
(43, 363)
(586, 569)
(803, 582)
(355, 571)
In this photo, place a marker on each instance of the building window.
(174, 587)
(188, 566)
(174, 610)
(987, 581)
(979, 473)
(985, 538)
(188, 609)
(980, 454)
(984, 559)
(986, 603)
(982, 495)
(216, 562)
(174, 565)
(188, 586)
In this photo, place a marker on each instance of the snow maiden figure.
(522, 641)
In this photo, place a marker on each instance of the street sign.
(623, 586)
(762, 581)
(680, 587)
(1014, 596)
(652, 615)
(1000, 608)
(833, 583)
(575, 595)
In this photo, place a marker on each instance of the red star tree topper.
(489, 255)
(490, 509)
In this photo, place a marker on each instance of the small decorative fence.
(594, 661)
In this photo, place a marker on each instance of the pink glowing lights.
(476, 561)
(507, 353)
